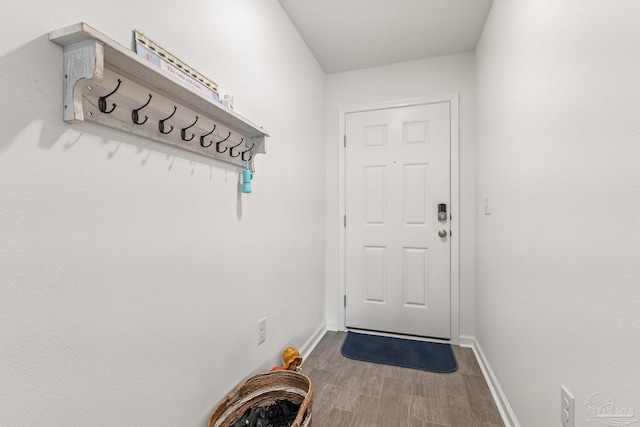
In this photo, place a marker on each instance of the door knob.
(442, 233)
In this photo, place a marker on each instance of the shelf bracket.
(83, 60)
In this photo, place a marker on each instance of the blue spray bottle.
(246, 178)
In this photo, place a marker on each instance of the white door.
(397, 248)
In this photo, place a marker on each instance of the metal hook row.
(135, 118)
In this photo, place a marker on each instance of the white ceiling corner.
(346, 35)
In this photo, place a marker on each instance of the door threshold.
(395, 335)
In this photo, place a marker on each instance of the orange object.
(291, 358)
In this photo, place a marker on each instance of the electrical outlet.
(567, 408)
(262, 330)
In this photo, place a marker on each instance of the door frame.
(452, 99)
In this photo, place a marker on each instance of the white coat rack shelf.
(108, 84)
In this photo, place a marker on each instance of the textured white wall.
(558, 155)
(133, 274)
(446, 74)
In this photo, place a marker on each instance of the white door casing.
(396, 236)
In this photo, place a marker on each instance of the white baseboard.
(467, 341)
(507, 414)
(313, 341)
(333, 326)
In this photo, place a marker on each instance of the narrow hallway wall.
(558, 158)
(134, 274)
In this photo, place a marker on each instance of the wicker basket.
(263, 390)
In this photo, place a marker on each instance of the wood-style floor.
(350, 393)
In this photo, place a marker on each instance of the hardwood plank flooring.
(351, 393)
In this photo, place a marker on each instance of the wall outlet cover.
(567, 407)
(262, 330)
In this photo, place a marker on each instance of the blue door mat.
(406, 353)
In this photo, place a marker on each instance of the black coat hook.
(183, 132)
(161, 122)
(102, 101)
(248, 150)
(134, 114)
(220, 142)
(207, 134)
(237, 145)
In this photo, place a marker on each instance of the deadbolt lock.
(442, 212)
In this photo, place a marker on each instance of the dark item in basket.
(263, 390)
(280, 414)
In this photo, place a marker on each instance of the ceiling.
(347, 35)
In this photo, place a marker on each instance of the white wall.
(558, 155)
(133, 274)
(412, 79)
